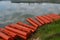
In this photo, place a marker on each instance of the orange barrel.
(26, 25)
(22, 28)
(49, 19)
(31, 22)
(17, 31)
(10, 33)
(21, 34)
(43, 19)
(39, 24)
(4, 36)
(39, 20)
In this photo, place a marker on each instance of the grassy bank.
(47, 32)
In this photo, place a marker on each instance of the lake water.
(14, 12)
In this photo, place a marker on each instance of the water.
(14, 12)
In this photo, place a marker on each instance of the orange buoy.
(26, 25)
(36, 22)
(4, 36)
(31, 22)
(49, 19)
(17, 31)
(39, 20)
(22, 28)
(52, 17)
(55, 15)
(43, 19)
(10, 33)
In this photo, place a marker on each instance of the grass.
(48, 32)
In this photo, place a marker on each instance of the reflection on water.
(13, 12)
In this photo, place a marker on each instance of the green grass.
(48, 32)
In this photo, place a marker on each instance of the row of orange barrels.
(22, 30)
